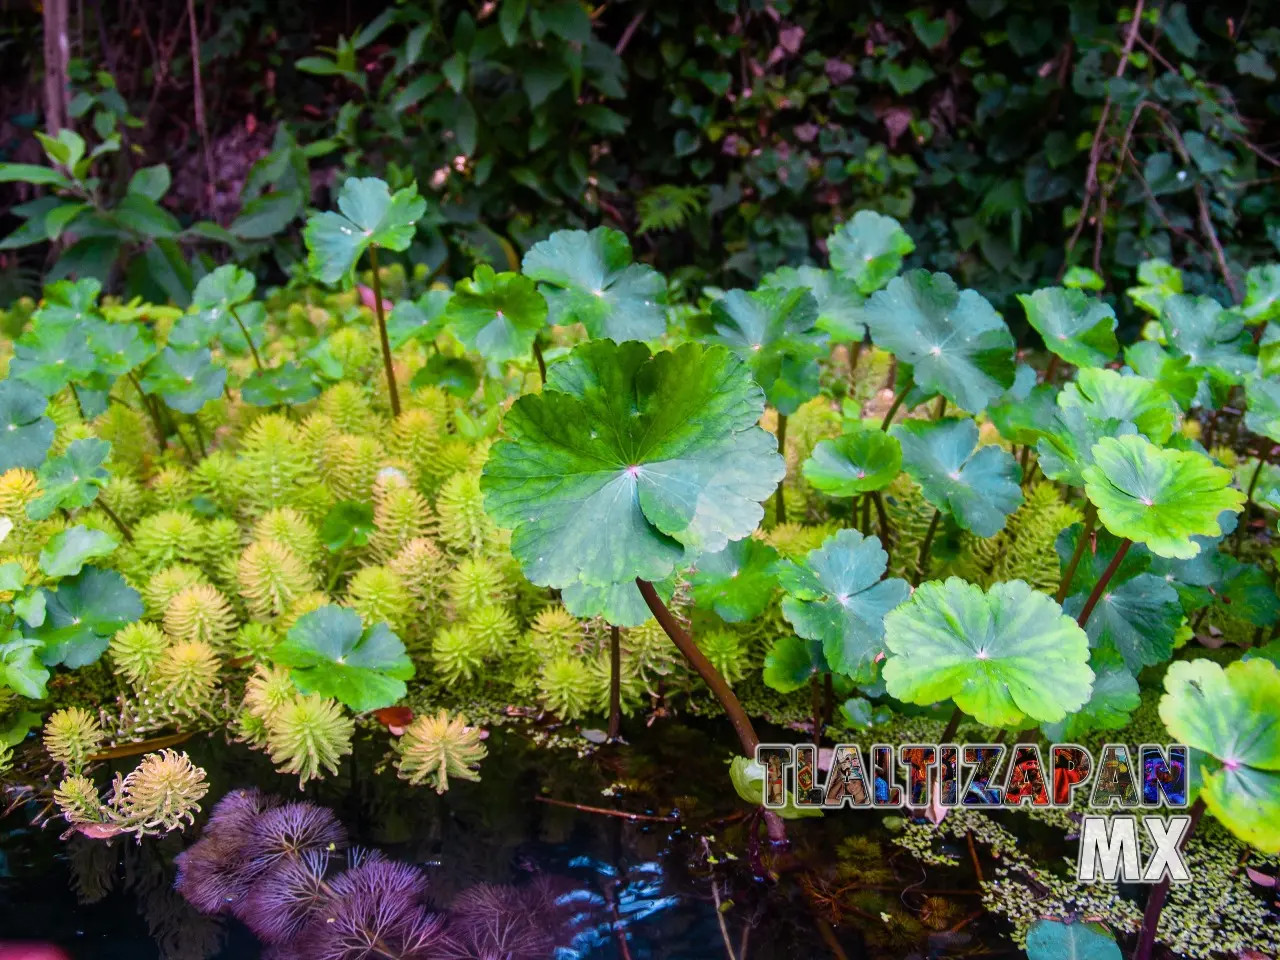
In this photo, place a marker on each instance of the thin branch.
(630, 31)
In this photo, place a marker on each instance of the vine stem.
(709, 674)
(147, 405)
(884, 519)
(195, 427)
(1051, 369)
(953, 724)
(781, 505)
(115, 518)
(76, 397)
(1155, 902)
(1090, 517)
(941, 412)
(922, 562)
(897, 402)
(615, 683)
(1101, 585)
(1244, 513)
(257, 360)
(542, 363)
(392, 392)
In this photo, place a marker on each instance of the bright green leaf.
(330, 652)
(857, 462)
(67, 552)
(868, 250)
(498, 315)
(1078, 328)
(738, 581)
(773, 332)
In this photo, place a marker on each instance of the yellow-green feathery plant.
(308, 736)
(435, 748)
(71, 736)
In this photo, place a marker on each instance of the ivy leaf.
(1104, 395)
(955, 341)
(589, 278)
(67, 552)
(347, 524)
(455, 375)
(979, 486)
(285, 385)
(50, 357)
(773, 332)
(20, 667)
(1174, 375)
(497, 314)
(1003, 656)
(187, 380)
(27, 432)
(329, 652)
(791, 662)
(1262, 293)
(738, 581)
(119, 348)
(1263, 413)
(856, 462)
(1078, 328)
(223, 288)
(626, 460)
(370, 216)
(420, 319)
(838, 299)
(1233, 716)
(83, 614)
(868, 250)
(838, 598)
(1137, 615)
(619, 604)
(1115, 696)
(1157, 282)
(71, 480)
(1055, 940)
(1209, 336)
(1158, 497)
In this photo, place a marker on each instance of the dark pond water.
(648, 890)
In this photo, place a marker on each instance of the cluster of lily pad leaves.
(635, 467)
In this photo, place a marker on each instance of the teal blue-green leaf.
(627, 460)
(49, 357)
(420, 319)
(26, 430)
(589, 278)
(370, 215)
(187, 380)
(67, 552)
(1104, 395)
(774, 333)
(838, 299)
(455, 375)
(1023, 420)
(737, 582)
(223, 288)
(20, 667)
(1115, 696)
(847, 616)
(619, 604)
(347, 524)
(83, 614)
(868, 250)
(1065, 450)
(1209, 336)
(955, 341)
(330, 652)
(497, 315)
(71, 480)
(1263, 413)
(70, 302)
(791, 662)
(1003, 655)
(978, 486)
(1055, 940)
(862, 460)
(1078, 328)
(120, 347)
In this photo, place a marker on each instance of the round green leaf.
(370, 216)
(738, 581)
(748, 776)
(839, 302)
(454, 375)
(285, 385)
(120, 347)
(70, 302)
(955, 341)
(83, 614)
(589, 278)
(68, 551)
(1078, 328)
(791, 662)
(49, 357)
(420, 319)
(1054, 940)
(854, 463)
(627, 460)
(347, 524)
(1103, 395)
(1158, 497)
(1115, 696)
(25, 430)
(1232, 716)
(773, 332)
(976, 485)
(223, 288)
(838, 598)
(187, 380)
(497, 314)
(1209, 336)
(330, 653)
(1065, 449)
(868, 250)
(1262, 293)
(1157, 282)
(1174, 375)
(20, 667)
(619, 604)
(1002, 656)
(1263, 414)
(71, 480)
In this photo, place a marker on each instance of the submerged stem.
(709, 674)
(1101, 585)
(1064, 588)
(615, 683)
(392, 392)
(1155, 902)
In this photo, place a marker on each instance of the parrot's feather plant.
(279, 511)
